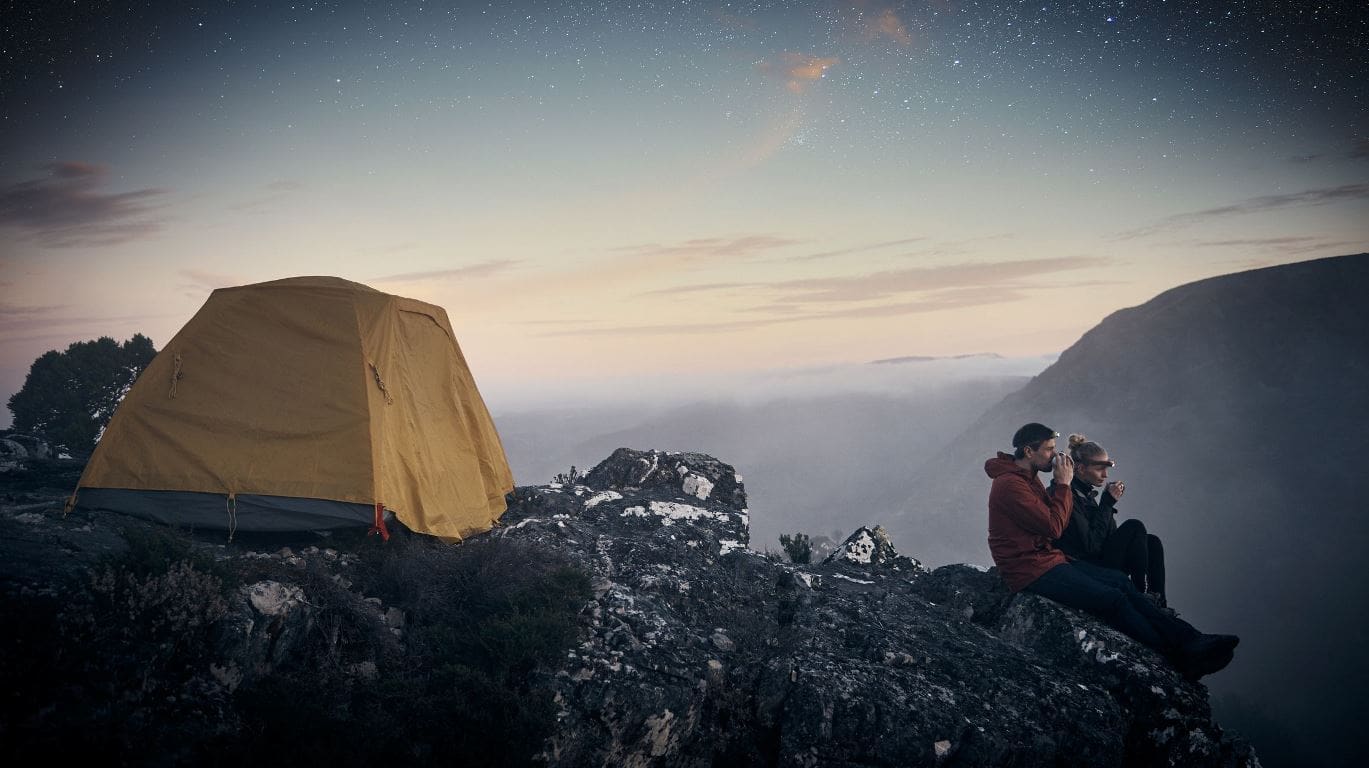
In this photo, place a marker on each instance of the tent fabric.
(246, 512)
(312, 388)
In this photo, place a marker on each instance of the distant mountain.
(930, 358)
(1236, 408)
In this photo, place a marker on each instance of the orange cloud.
(887, 24)
(872, 20)
(798, 69)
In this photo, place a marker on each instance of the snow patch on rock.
(602, 497)
(859, 549)
(670, 511)
(697, 486)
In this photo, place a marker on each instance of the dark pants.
(1138, 554)
(1110, 595)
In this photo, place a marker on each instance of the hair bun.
(1077, 440)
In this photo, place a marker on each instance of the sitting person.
(1024, 520)
(1093, 534)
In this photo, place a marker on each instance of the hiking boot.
(1205, 654)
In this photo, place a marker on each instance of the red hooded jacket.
(1023, 520)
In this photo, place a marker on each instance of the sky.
(603, 193)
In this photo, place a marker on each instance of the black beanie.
(1032, 433)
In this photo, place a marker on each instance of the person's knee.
(1134, 527)
(1113, 578)
(1111, 603)
(1153, 542)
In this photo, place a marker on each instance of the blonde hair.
(1082, 448)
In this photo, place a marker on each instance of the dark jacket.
(1023, 520)
(1094, 519)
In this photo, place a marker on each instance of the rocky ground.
(684, 646)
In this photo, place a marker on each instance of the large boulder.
(16, 451)
(700, 651)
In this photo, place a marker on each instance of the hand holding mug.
(1064, 468)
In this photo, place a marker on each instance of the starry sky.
(598, 192)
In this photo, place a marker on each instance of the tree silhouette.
(68, 397)
(798, 547)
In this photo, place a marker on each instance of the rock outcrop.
(696, 650)
(17, 451)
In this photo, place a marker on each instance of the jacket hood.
(1002, 464)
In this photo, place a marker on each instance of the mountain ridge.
(1231, 405)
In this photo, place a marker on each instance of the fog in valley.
(821, 451)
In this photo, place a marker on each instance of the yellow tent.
(300, 404)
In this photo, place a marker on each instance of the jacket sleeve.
(1019, 503)
(1101, 526)
(1074, 540)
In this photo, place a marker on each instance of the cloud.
(1256, 241)
(935, 302)
(275, 191)
(1360, 148)
(15, 318)
(1305, 199)
(469, 272)
(652, 268)
(708, 248)
(878, 285)
(797, 70)
(21, 323)
(872, 21)
(914, 291)
(887, 24)
(700, 288)
(855, 249)
(664, 329)
(1285, 245)
(67, 210)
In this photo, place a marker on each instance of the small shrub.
(152, 551)
(482, 619)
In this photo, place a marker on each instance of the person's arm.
(1103, 526)
(1077, 528)
(1074, 541)
(1019, 503)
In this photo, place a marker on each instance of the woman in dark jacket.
(1093, 534)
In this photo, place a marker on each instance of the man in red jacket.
(1024, 518)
